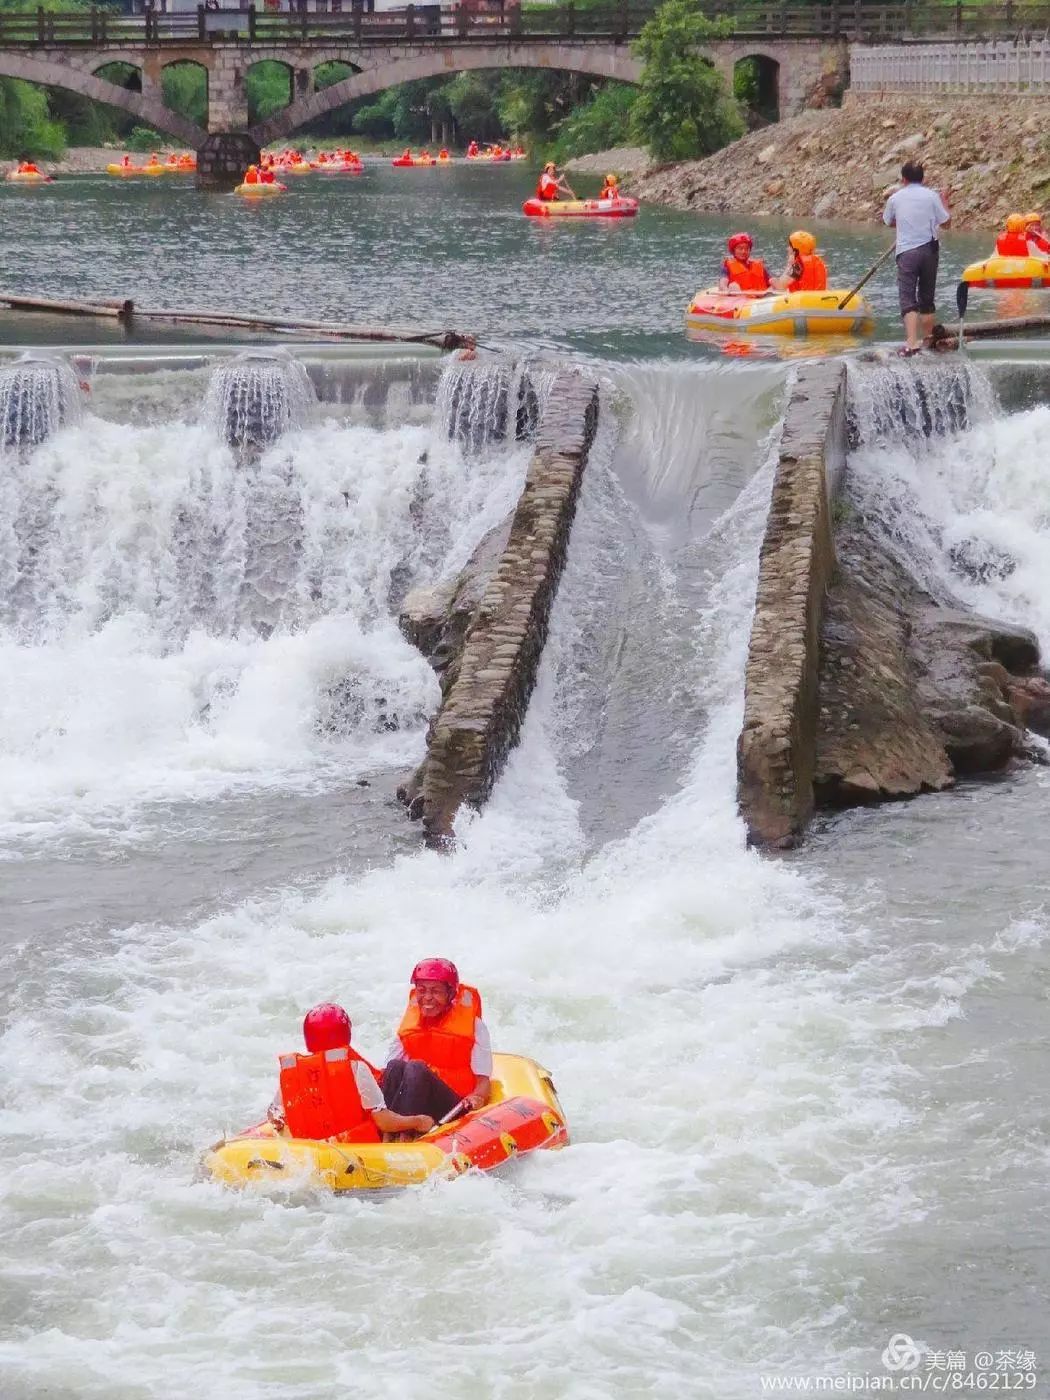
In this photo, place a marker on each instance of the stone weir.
(864, 684)
(484, 633)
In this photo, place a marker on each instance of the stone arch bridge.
(68, 51)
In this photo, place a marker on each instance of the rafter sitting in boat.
(740, 271)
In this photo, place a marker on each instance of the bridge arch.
(756, 83)
(148, 107)
(613, 62)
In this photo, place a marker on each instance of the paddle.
(457, 1111)
(962, 296)
(867, 276)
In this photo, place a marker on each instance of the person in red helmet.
(441, 1057)
(332, 1091)
(740, 271)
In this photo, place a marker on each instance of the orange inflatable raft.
(623, 207)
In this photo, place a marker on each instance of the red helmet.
(436, 970)
(735, 239)
(326, 1027)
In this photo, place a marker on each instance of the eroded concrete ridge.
(776, 752)
(483, 707)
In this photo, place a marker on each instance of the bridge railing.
(972, 69)
(620, 20)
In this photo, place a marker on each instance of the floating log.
(125, 310)
(118, 310)
(442, 339)
(947, 337)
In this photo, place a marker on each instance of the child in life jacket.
(740, 271)
(332, 1091)
(806, 271)
(441, 1058)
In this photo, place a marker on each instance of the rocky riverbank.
(986, 157)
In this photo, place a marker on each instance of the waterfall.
(257, 396)
(477, 398)
(38, 394)
(901, 401)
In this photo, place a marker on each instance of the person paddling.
(740, 271)
(918, 214)
(332, 1091)
(1013, 241)
(551, 184)
(441, 1057)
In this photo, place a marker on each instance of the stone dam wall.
(863, 683)
(487, 682)
(776, 751)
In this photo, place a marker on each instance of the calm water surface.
(447, 247)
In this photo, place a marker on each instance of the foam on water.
(174, 621)
(730, 1045)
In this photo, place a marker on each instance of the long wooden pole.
(947, 337)
(867, 277)
(120, 310)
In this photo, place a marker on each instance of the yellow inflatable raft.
(1008, 272)
(780, 313)
(261, 191)
(522, 1116)
(28, 177)
(127, 172)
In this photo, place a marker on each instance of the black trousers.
(410, 1086)
(917, 278)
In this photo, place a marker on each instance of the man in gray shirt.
(918, 214)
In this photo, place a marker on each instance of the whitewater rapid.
(743, 1046)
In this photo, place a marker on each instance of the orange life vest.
(1012, 245)
(813, 277)
(749, 277)
(251, 176)
(321, 1098)
(547, 188)
(610, 191)
(445, 1045)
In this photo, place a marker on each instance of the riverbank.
(986, 158)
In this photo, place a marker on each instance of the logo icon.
(901, 1354)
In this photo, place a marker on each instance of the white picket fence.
(1005, 66)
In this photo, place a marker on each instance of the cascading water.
(257, 396)
(481, 402)
(785, 1127)
(181, 618)
(38, 395)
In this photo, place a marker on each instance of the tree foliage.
(682, 109)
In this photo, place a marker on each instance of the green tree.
(682, 109)
(602, 121)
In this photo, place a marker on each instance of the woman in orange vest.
(551, 184)
(441, 1057)
(1038, 243)
(1013, 243)
(611, 188)
(251, 175)
(332, 1091)
(740, 271)
(806, 271)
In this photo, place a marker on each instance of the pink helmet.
(436, 970)
(735, 239)
(326, 1027)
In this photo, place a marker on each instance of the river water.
(808, 1096)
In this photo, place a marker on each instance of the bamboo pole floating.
(119, 310)
(947, 337)
(332, 330)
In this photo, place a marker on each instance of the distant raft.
(28, 177)
(128, 172)
(522, 1116)
(780, 313)
(1005, 273)
(623, 207)
(261, 191)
